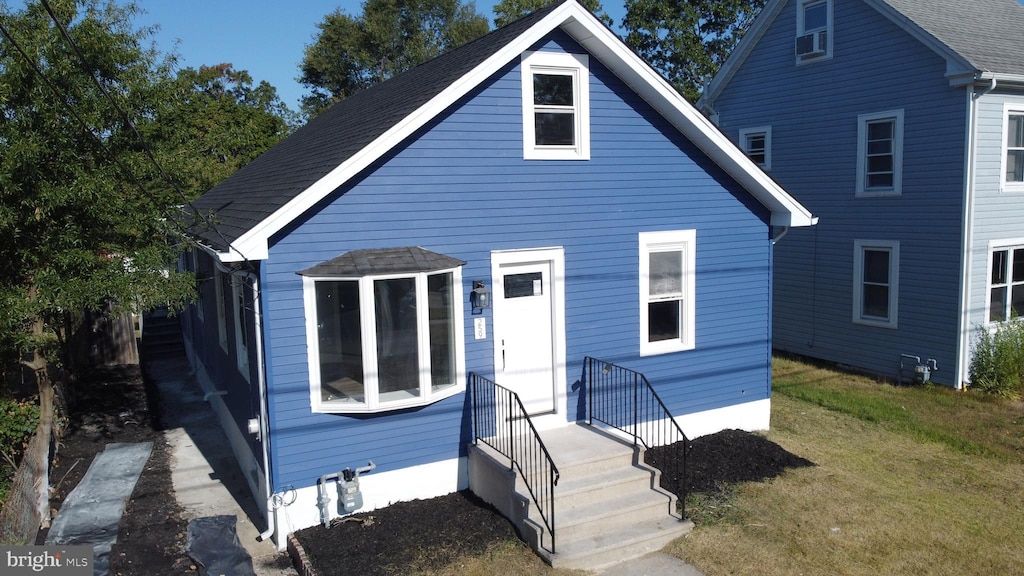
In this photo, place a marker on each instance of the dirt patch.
(112, 405)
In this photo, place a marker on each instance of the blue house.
(901, 124)
(497, 214)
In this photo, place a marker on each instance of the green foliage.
(687, 40)
(212, 122)
(390, 36)
(508, 11)
(997, 363)
(17, 423)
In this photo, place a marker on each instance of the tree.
(391, 36)
(508, 11)
(211, 123)
(81, 229)
(687, 40)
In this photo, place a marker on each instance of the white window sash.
(684, 241)
(558, 63)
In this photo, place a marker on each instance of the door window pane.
(523, 285)
(397, 349)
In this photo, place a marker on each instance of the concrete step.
(576, 490)
(611, 546)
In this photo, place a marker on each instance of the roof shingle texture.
(266, 184)
(375, 261)
(987, 33)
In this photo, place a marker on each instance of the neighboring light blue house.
(544, 167)
(900, 123)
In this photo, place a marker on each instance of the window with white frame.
(556, 106)
(813, 30)
(880, 154)
(238, 298)
(1013, 151)
(222, 321)
(385, 340)
(756, 143)
(876, 282)
(667, 308)
(1006, 283)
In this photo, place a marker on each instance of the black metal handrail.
(501, 422)
(624, 399)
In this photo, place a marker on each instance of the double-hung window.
(239, 300)
(880, 154)
(667, 307)
(1013, 151)
(756, 143)
(813, 30)
(384, 330)
(876, 282)
(556, 106)
(1006, 283)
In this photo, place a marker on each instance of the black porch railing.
(501, 422)
(624, 399)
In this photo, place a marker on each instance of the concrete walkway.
(207, 479)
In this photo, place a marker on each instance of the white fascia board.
(254, 243)
(664, 98)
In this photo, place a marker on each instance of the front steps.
(608, 506)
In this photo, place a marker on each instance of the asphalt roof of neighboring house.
(989, 34)
(261, 187)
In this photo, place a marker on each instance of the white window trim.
(800, 31)
(649, 242)
(238, 311)
(994, 245)
(575, 65)
(893, 246)
(1004, 186)
(767, 132)
(368, 330)
(897, 150)
(222, 324)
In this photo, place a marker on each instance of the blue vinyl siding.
(460, 187)
(813, 113)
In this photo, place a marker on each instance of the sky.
(265, 37)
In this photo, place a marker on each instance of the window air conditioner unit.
(813, 44)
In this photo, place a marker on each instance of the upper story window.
(384, 330)
(813, 30)
(880, 154)
(556, 106)
(876, 282)
(1013, 151)
(667, 287)
(757, 145)
(1006, 284)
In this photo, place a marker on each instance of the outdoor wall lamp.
(480, 297)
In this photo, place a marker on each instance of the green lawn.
(909, 480)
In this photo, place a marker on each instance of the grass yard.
(909, 480)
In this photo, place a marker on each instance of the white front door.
(526, 331)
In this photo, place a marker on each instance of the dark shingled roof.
(383, 261)
(263, 186)
(989, 34)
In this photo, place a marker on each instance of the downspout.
(968, 232)
(780, 235)
(262, 385)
